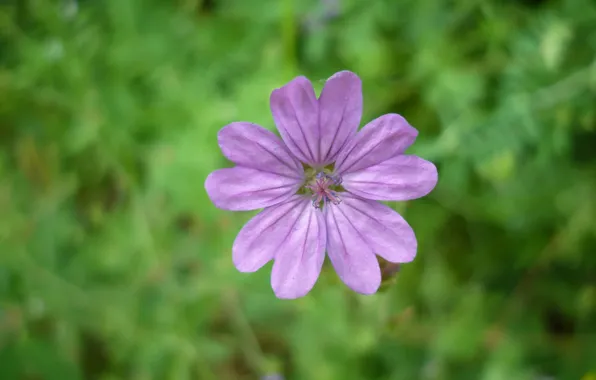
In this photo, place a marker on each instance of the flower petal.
(259, 240)
(300, 256)
(386, 233)
(253, 146)
(385, 137)
(243, 189)
(340, 111)
(400, 178)
(295, 110)
(352, 258)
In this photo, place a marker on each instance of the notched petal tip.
(432, 177)
(284, 294)
(346, 74)
(300, 80)
(370, 291)
(366, 288)
(399, 122)
(211, 188)
(244, 266)
(279, 94)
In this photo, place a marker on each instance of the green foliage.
(115, 265)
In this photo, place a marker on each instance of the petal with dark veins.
(259, 240)
(400, 178)
(243, 189)
(295, 110)
(252, 146)
(385, 231)
(340, 111)
(353, 260)
(385, 137)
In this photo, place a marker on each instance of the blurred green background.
(115, 265)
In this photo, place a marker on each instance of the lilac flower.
(320, 187)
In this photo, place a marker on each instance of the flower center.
(324, 188)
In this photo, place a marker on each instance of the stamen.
(337, 180)
(316, 202)
(322, 191)
(333, 197)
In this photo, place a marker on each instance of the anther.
(321, 190)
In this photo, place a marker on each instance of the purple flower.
(320, 187)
